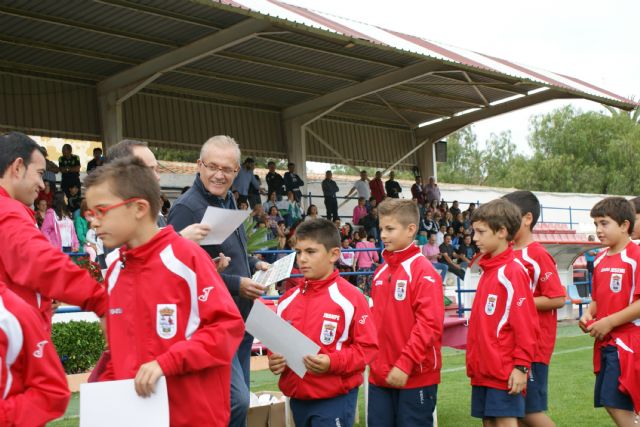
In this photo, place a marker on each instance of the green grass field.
(570, 392)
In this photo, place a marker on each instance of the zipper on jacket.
(305, 287)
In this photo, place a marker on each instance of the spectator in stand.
(455, 208)
(361, 186)
(466, 251)
(442, 230)
(437, 217)
(254, 192)
(58, 225)
(360, 211)
(294, 212)
(433, 206)
(365, 261)
(312, 213)
(432, 191)
(50, 172)
(80, 223)
(432, 252)
(447, 219)
(347, 231)
(377, 187)
(74, 199)
(458, 220)
(275, 182)
(590, 256)
(271, 201)
(258, 214)
(470, 209)
(455, 242)
(466, 221)
(243, 206)
(69, 164)
(330, 192)
(449, 256)
(46, 194)
(293, 182)
(417, 191)
(429, 225)
(245, 179)
(97, 160)
(444, 208)
(94, 243)
(372, 203)
(346, 260)
(371, 224)
(422, 238)
(41, 210)
(392, 186)
(273, 219)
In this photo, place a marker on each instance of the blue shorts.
(487, 402)
(406, 407)
(332, 412)
(537, 388)
(606, 392)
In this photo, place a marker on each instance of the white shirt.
(439, 238)
(65, 225)
(363, 189)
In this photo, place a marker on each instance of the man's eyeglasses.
(212, 167)
(101, 211)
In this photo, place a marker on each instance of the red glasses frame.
(101, 211)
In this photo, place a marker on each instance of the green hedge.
(79, 344)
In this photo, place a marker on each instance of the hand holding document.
(115, 403)
(280, 337)
(278, 271)
(223, 222)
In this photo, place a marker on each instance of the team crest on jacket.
(328, 333)
(401, 290)
(616, 283)
(166, 320)
(490, 306)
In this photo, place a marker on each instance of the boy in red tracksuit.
(613, 317)
(33, 387)
(503, 325)
(169, 314)
(548, 296)
(335, 315)
(408, 307)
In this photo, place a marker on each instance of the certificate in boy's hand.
(280, 337)
(278, 271)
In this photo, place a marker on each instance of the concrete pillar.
(296, 146)
(427, 161)
(110, 119)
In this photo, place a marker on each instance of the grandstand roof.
(184, 70)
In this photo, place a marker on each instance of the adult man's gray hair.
(222, 142)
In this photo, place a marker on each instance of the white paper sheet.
(223, 222)
(278, 271)
(115, 403)
(280, 337)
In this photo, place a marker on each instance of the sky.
(595, 41)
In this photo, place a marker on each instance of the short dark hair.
(617, 208)
(527, 202)
(636, 204)
(97, 149)
(65, 146)
(16, 145)
(499, 213)
(123, 149)
(321, 231)
(128, 177)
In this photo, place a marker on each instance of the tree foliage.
(573, 151)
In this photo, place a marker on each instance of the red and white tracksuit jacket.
(503, 323)
(544, 282)
(36, 271)
(615, 287)
(408, 307)
(335, 315)
(33, 387)
(168, 303)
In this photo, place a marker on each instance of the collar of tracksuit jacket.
(139, 255)
(396, 257)
(312, 286)
(487, 262)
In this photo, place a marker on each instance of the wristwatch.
(522, 368)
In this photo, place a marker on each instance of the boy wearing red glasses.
(169, 314)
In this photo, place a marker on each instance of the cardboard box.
(273, 415)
